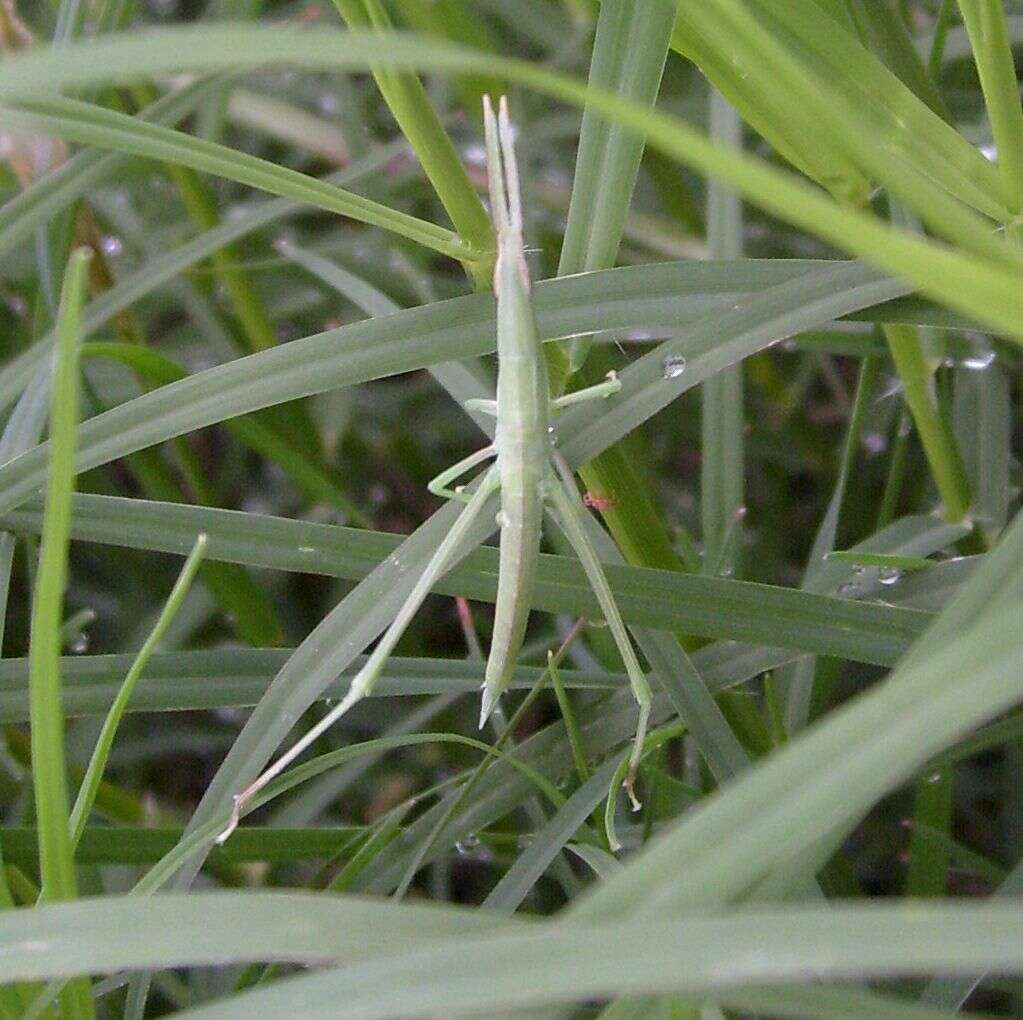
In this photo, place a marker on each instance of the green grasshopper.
(528, 470)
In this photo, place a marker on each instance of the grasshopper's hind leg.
(569, 508)
(367, 677)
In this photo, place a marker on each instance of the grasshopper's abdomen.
(522, 441)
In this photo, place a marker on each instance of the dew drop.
(468, 845)
(111, 245)
(327, 104)
(934, 777)
(889, 575)
(80, 644)
(979, 361)
(674, 366)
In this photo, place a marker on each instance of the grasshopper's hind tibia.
(572, 515)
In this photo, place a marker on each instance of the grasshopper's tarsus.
(599, 391)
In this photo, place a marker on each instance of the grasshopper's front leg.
(572, 514)
(611, 385)
(439, 486)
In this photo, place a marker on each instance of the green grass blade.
(982, 420)
(455, 974)
(48, 766)
(985, 23)
(163, 269)
(932, 812)
(883, 29)
(24, 429)
(94, 125)
(97, 763)
(412, 109)
(967, 282)
(939, 444)
(722, 467)
(656, 599)
(186, 681)
(798, 681)
(21, 215)
(257, 331)
(629, 51)
(545, 846)
(421, 337)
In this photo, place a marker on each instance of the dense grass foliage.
(246, 263)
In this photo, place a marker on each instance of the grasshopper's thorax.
(523, 394)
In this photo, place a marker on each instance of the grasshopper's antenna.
(495, 167)
(511, 167)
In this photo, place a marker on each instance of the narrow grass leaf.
(49, 775)
(94, 125)
(97, 762)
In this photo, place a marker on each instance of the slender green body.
(522, 442)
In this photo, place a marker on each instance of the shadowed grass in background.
(244, 297)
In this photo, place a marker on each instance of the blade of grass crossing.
(412, 109)
(39, 203)
(883, 30)
(94, 125)
(986, 288)
(798, 680)
(162, 270)
(932, 810)
(49, 775)
(910, 716)
(721, 462)
(982, 419)
(630, 49)
(985, 23)
(97, 763)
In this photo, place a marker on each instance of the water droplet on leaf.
(674, 366)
